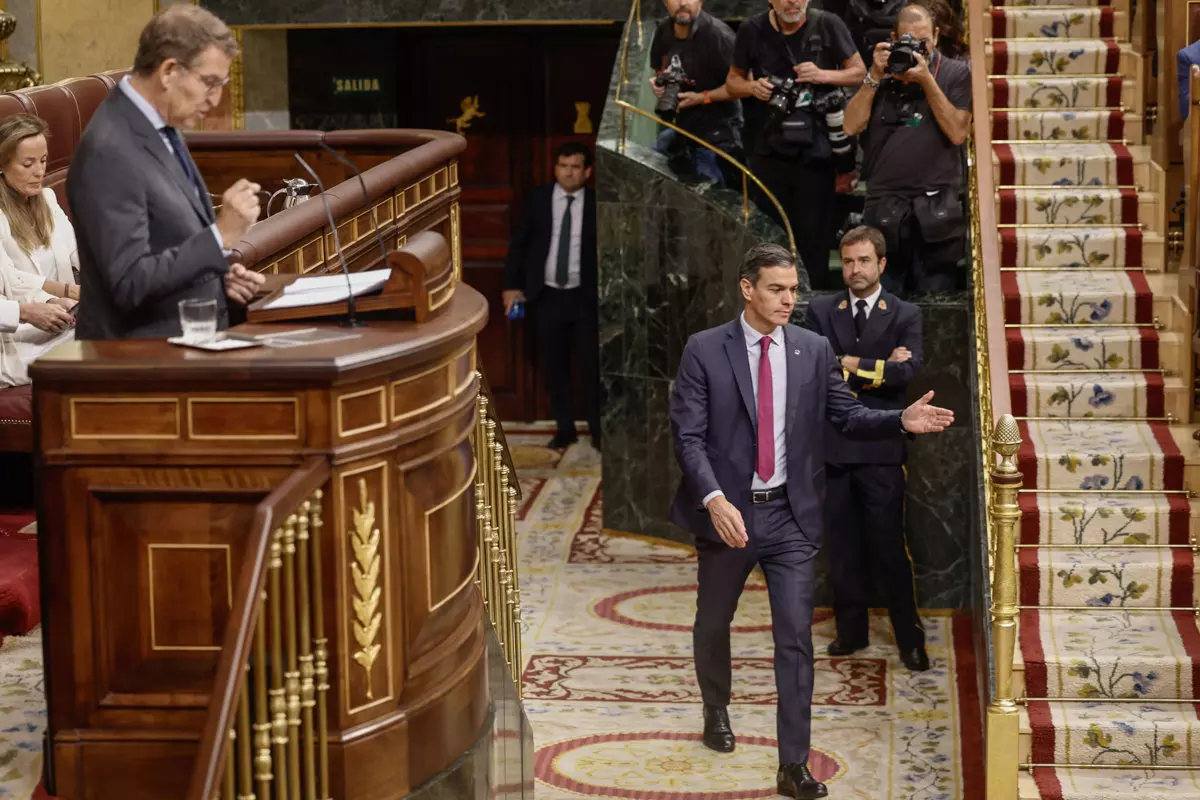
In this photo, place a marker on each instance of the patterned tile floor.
(611, 693)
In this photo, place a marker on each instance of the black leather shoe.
(794, 780)
(562, 441)
(915, 659)
(718, 735)
(844, 647)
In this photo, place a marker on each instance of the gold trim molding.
(154, 645)
(364, 570)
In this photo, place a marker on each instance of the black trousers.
(787, 559)
(864, 508)
(916, 265)
(567, 332)
(808, 193)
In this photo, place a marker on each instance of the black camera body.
(902, 55)
(671, 79)
(785, 96)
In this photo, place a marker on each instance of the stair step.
(1099, 395)
(1097, 246)
(1089, 57)
(1156, 654)
(1058, 23)
(1097, 348)
(1099, 455)
(1082, 164)
(1148, 733)
(1071, 206)
(1065, 783)
(1106, 519)
(1109, 577)
(1042, 91)
(1078, 296)
(1064, 125)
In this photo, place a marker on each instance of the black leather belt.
(769, 494)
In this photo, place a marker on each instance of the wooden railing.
(266, 725)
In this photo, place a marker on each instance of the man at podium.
(148, 236)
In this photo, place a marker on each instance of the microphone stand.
(352, 320)
(366, 198)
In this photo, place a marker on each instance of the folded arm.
(848, 415)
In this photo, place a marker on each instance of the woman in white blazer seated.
(37, 253)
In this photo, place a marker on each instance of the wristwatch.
(869, 81)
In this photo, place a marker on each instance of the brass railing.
(266, 737)
(634, 23)
(497, 494)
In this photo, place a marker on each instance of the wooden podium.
(163, 471)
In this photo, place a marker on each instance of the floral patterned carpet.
(1109, 647)
(610, 689)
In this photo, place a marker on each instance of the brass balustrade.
(496, 498)
(267, 737)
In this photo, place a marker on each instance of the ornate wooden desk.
(178, 486)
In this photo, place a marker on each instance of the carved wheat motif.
(365, 572)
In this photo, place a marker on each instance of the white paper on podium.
(320, 289)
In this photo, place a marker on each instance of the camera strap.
(813, 15)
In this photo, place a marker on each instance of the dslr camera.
(671, 80)
(785, 97)
(902, 56)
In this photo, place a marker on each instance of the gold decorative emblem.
(882, 304)
(470, 111)
(365, 571)
(583, 118)
(842, 306)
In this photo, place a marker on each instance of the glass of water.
(198, 319)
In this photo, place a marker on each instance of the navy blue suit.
(865, 480)
(1185, 59)
(713, 421)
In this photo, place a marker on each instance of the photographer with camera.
(914, 111)
(691, 53)
(792, 61)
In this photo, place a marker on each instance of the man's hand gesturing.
(728, 522)
(921, 417)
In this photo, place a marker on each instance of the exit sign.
(355, 85)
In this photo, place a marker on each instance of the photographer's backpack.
(871, 22)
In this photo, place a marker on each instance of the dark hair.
(945, 20)
(574, 149)
(182, 32)
(865, 233)
(761, 256)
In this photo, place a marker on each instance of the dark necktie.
(562, 272)
(860, 318)
(181, 156)
(765, 464)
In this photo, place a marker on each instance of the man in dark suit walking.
(555, 274)
(146, 230)
(878, 339)
(748, 414)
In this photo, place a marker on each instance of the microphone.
(366, 198)
(351, 317)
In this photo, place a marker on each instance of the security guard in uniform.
(877, 338)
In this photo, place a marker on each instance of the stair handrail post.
(1003, 713)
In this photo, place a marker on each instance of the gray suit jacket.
(142, 229)
(713, 422)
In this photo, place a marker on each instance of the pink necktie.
(766, 414)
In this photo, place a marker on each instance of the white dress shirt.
(155, 119)
(777, 356)
(871, 300)
(558, 204)
(10, 315)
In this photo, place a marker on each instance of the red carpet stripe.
(1124, 164)
(1012, 297)
(1035, 657)
(999, 58)
(1049, 787)
(1043, 732)
(1020, 398)
(1031, 523)
(1116, 125)
(1179, 520)
(1156, 398)
(1016, 348)
(970, 710)
(1008, 167)
(1029, 579)
(1185, 623)
(1143, 296)
(1172, 458)
(1182, 583)
(1149, 348)
(1112, 64)
(1000, 93)
(1008, 206)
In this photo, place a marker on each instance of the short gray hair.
(182, 32)
(761, 256)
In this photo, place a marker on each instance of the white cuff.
(708, 498)
(10, 315)
(220, 241)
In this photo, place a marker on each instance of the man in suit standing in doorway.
(748, 415)
(877, 337)
(147, 233)
(551, 266)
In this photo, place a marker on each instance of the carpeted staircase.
(1109, 651)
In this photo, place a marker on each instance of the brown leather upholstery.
(16, 419)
